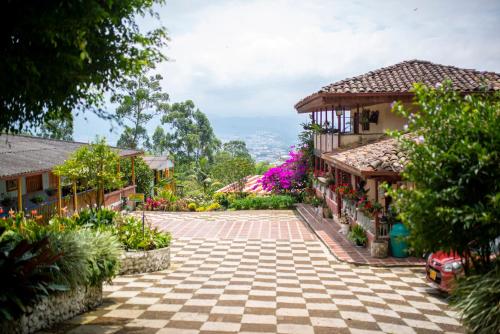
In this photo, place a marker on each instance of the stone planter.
(379, 248)
(55, 308)
(344, 229)
(133, 262)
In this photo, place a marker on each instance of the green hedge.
(263, 202)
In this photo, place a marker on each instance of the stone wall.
(145, 261)
(54, 309)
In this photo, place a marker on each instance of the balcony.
(324, 143)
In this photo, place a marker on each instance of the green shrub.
(95, 217)
(130, 233)
(357, 235)
(263, 202)
(477, 299)
(26, 273)
(103, 255)
(72, 267)
(37, 199)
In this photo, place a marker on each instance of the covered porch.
(27, 181)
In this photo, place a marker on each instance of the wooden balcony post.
(75, 200)
(132, 161)
(338, 124)
(19, 194)
(59, 196)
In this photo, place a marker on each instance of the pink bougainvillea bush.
(290, 177)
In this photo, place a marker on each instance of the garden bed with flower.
(65, 262)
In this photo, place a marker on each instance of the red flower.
(33, 212)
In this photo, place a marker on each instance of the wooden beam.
(75, 199)
(59, 196)
(132, 159)
(20, 194)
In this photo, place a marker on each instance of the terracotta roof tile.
(399, 78)
(382, 155)
(251, 186)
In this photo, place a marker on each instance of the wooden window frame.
(11, 185)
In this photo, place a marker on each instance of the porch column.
(339, 199)
(19, 194)
(59, 196)
(338, 124)
(132, 161)
(75, 199)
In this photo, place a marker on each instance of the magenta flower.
(288, 177)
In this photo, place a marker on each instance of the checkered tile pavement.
(266, 286)
(255, 224)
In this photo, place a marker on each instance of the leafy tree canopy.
(454, 203)
(143, 175)
(58, 56)
(141, 99)
(236, 148)
(57, 128)
(191, 136)
(232, 169)
(93, 166)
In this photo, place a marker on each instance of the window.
(11, 185)
(52, 181)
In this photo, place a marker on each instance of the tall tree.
(59, 56)
(58, 128)
(454, 167)
(236, 148)
(191, 136)
(158, 144)
(232, 169)
(140, 101)
(454, 202)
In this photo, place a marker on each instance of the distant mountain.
(267, 138)
(286, 127)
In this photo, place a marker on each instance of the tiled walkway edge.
(327, 231)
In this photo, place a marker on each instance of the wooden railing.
(84, 199)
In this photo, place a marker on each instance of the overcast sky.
(254, 58)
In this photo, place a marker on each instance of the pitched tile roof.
(251, 186)
(383, 155)
(401, 77)
(25, 154)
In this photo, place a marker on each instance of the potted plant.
(317, 204)
(358, 236)
(7, 201)
(344, 223)
(330, 182)
(37, 199)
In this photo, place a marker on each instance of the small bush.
(103, 255)
(263, 202)
(192, 206)
(357, 235)
(93, 218)
(130, 233)
(477, 299)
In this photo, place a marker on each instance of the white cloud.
(269, 54)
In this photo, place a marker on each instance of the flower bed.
(133, 262)
(50, 272)
(55, 308)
